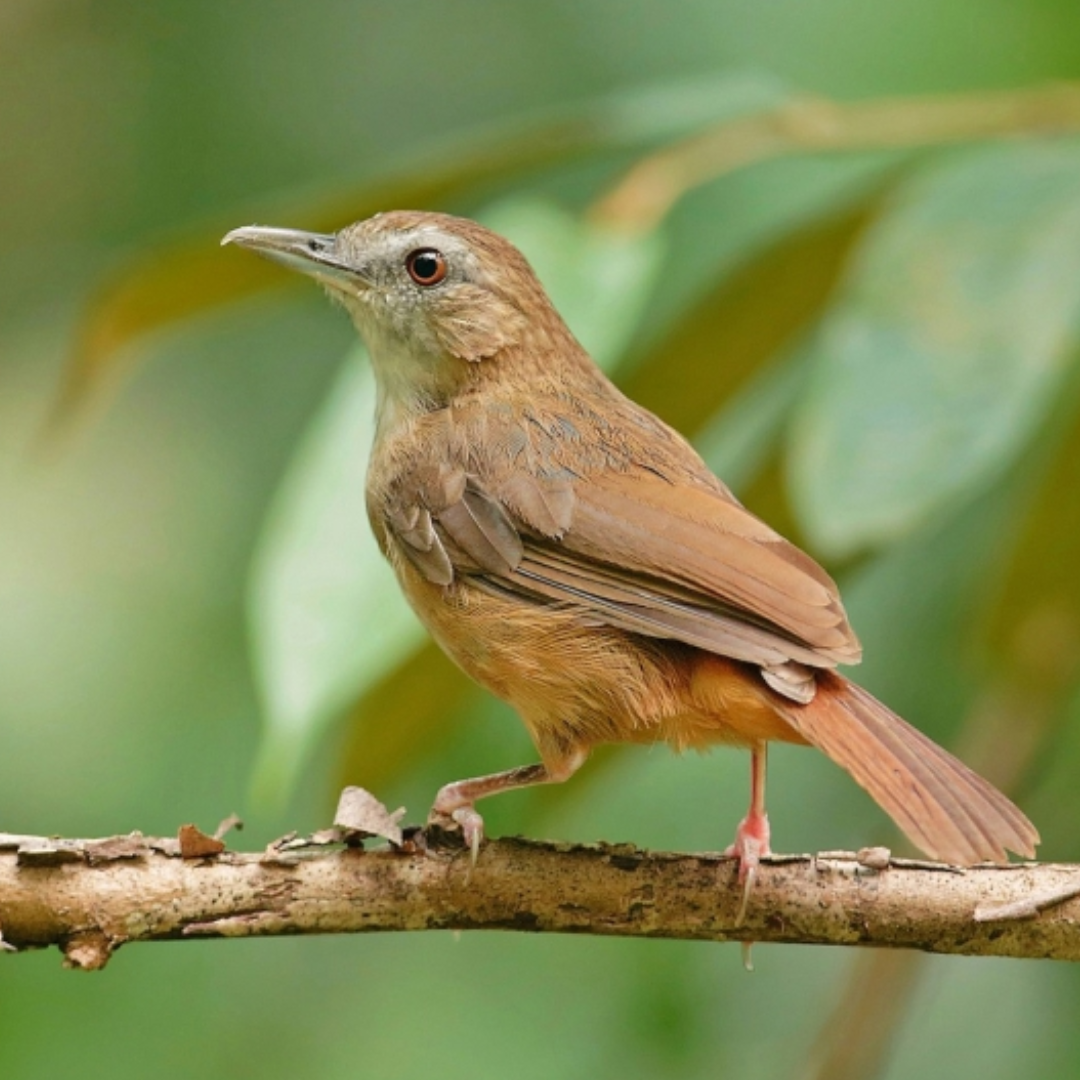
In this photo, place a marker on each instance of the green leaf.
(737, 441)
(946, 347)
(327, 618)
(190, 275)
(1033, 628)
(325, 609)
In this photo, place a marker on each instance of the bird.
(573, 554)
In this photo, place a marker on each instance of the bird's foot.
(465, 818)
(751, 843)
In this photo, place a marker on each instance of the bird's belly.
(577, 684)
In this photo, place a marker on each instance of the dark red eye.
(426, 266)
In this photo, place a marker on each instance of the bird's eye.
(426, 266)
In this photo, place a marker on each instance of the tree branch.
(90, 897)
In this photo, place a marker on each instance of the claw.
(751, 843)
(472, 829)
(468, 821)
(751, 838)
(455, 804)
(748, 956)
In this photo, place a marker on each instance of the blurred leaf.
(406, 716)
(328, 620)
(738, 440)
(946, 348)
(325, 609)
(1034, 624)
(746, 319)
(191, 276)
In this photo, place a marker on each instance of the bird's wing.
(635, 551)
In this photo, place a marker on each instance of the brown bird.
(574, 554)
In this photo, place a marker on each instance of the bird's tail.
(944, 808)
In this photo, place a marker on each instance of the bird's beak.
(314, 254)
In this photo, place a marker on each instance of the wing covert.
(632, 550)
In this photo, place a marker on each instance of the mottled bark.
(90, 897)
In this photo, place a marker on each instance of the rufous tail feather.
(945, 809)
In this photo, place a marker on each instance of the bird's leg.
(752, 835)
(456, 801)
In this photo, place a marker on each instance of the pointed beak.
(314, 254)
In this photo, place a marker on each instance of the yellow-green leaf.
(945, 350)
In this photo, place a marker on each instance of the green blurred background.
(876, 347)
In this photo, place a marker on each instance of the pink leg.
(456, 801)
(752, 835)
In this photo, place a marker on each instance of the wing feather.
(681, 561)
(699, 548)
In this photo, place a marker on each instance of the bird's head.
(432, 296)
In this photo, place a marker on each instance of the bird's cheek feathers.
(474, 324)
